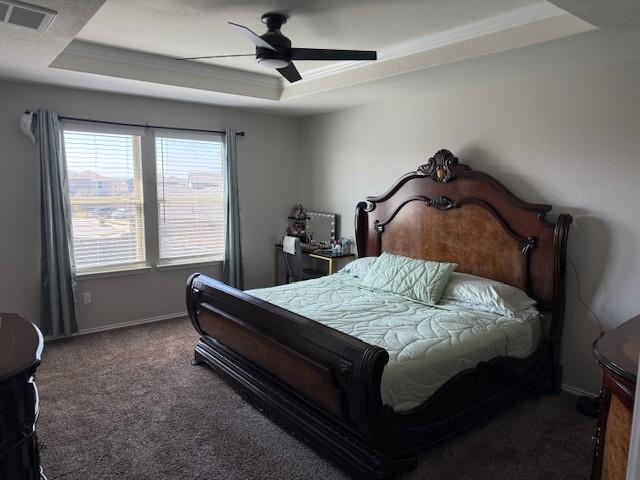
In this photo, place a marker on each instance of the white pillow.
(479, 293)
(359, 267)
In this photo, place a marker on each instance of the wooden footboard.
(319, 381)
(325, 385)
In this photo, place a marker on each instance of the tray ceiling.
(130, 46)
(199, 27)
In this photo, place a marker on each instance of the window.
(190, 198)
(104, 167)
(105, 189)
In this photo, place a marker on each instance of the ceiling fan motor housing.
(281, 57)
(274, 20)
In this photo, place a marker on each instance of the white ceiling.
(19, 45)
(192, 28)
(127, 46)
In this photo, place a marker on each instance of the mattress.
(427, 345)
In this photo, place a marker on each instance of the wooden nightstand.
(617, 353)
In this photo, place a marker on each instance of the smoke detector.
(26, 15)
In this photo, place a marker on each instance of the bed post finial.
(442, 167)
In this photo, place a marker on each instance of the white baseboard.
(140, 321)
(578, 391)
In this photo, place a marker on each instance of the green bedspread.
(427, 345)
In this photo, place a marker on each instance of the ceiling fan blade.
(322, 54)
(253, 37)
(290, 72)
(219, 56)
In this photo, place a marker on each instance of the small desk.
(325, 255)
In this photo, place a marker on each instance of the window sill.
(116, 272)
(184, 264)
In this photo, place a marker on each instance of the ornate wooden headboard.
(447, 212)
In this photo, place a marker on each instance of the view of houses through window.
(105, 188)
(107, 199)
(190, 198)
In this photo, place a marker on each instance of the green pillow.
(418, 280)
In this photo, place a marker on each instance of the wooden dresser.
(20, 352)
(617, 353)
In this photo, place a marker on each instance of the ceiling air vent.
(26, 15)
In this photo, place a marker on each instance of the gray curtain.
(57, 302)
(232, 267)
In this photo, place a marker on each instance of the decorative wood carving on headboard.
(442, 167)
(445, 211)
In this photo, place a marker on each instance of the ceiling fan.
(273, 49)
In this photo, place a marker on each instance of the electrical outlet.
(86, 298)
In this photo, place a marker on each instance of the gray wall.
(568, 138)
(571, 139)
(268, 167)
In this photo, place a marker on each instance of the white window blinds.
(190, 198)
(105, 189)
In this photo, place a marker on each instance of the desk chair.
(295, 271)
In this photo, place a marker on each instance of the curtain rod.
(146, 125)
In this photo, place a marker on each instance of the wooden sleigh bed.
(324, 385)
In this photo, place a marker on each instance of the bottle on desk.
(347, 246)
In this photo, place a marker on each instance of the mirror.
(321, 228)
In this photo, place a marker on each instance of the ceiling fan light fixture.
(273, 62)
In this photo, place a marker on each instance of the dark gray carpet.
(127, 404)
